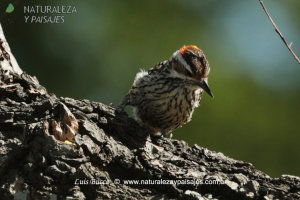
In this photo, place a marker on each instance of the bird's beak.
(205, 87)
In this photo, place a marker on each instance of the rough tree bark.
(106, 147)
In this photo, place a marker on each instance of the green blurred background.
(95, 54)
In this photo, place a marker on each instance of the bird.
(165, 97)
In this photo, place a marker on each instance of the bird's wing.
(161, 66)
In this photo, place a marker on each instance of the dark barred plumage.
(164, 98)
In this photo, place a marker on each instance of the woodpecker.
(164, 97)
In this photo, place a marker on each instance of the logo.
(10, 8)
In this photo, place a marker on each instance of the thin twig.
(277, 30)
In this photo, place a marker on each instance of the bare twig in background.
(277, 30)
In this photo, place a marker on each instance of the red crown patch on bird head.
(185, 48)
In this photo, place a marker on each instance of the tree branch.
(62, 148)
(9, 62)
(279, 33)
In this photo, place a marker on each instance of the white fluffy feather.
(139, 76)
